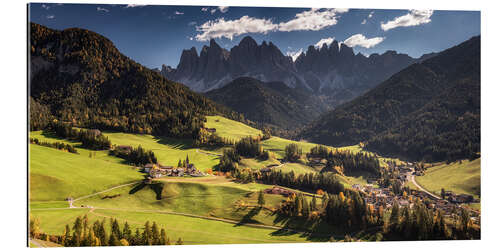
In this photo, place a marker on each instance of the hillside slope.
(80, 77)
(268, 102)
(422, 112)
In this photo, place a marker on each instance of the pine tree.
(261, 200)
(67, 237)
(163, 237)
(127, 232)
(155, 234)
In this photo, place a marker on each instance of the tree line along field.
(56, 175)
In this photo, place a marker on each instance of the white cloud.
(368, 17)
(204, 9)
(413, 18)
(193, 23)
(221, 28)
(328, 41)
(362, 41)
(50, 16)
(135, 5)
(314, 19)
(294, 54)
(102, 9)
(179, 13)
(223, 9)
(44, 6)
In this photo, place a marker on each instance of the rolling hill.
(428, 111)
(80, 77)
(269, 102)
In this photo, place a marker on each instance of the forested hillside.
(80, 77)
(271, 103)
(429, 110)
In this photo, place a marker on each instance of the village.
(449, 203)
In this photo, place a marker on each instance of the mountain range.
(429, 110)
(333, 70)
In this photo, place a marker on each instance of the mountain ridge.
(390, 116)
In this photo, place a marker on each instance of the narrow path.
(107, 190)
(412, 178)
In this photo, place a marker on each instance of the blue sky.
(156, 34)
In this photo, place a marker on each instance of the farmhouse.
(278, 190)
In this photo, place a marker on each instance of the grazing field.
(256, 164)
(297, 168)
(168, 151)
(53, 221)
(200, 231)
(56, 175)
(185, 197)
(230, 129)
(458, 177)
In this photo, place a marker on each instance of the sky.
(156, 34)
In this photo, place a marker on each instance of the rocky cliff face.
(329, 70)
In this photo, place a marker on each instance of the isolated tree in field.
(261, 200)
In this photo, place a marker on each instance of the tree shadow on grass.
(248, 218)
(137, 188)
(181, 144)
(311, 230)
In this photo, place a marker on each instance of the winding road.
(412, 179)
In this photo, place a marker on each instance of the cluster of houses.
(386, 198)
(158, 170)
(459, 198)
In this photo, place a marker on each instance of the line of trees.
(346, 161)
(137, 156)
(422, 223)
(308, 181)
(206, 138)
(91, 139)
(83, 233)
(56, 145)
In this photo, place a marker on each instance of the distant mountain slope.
(268, 102)
(334, 71)
(80, 77)
(429, 110)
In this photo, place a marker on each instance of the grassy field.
(297, 168)
(167, 150)
(55, 175)
(230, 129)
(458, 177)
(256, 164)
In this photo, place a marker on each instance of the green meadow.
(56, 175)
(460, 177)
(230, 129)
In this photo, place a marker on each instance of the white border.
(13, 121)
